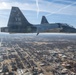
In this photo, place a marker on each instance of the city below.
(45, 54)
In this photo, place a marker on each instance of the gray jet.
(18, 24)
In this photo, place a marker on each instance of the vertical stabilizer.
(17, 18)
(44, 20)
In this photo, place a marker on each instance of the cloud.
(37, 4)
(42, 6)
(52, 7)
(63, 8)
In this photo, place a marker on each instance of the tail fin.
(17, 18)
(44, 20)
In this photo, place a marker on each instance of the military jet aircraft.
(18, 24)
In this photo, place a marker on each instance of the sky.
(56, 11)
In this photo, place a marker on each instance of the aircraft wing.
(48, 28)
